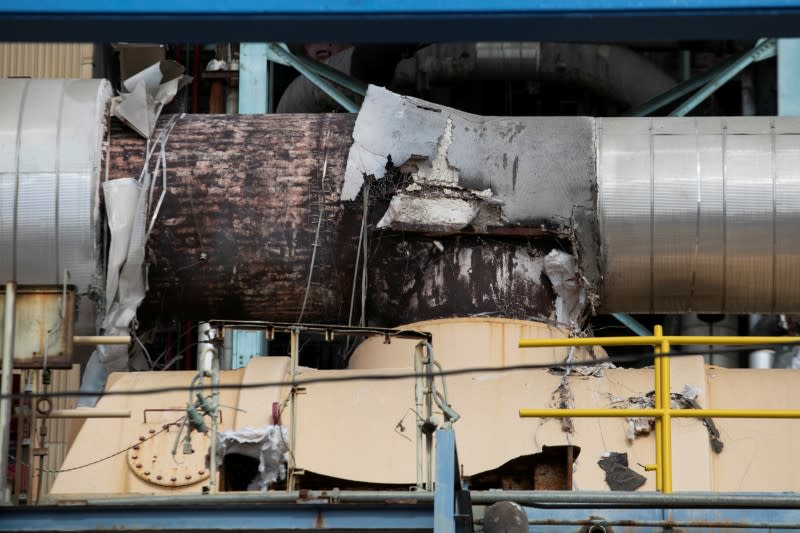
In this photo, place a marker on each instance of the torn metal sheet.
(619, 475)
(686, 399)
(513, 159)
(267, 444)
(563, 271)
(147, 92)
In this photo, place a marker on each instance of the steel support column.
(253, 79)
(789, 77)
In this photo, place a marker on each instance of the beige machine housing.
(352, 430)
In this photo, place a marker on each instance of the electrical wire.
(319, 223)
(408, 375)
(107, 457)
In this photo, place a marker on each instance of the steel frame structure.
(396, 20)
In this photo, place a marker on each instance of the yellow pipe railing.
(663, 411)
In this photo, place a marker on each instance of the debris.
(267, 444)
(562, 270)
(618, 475)
(587, 371)
(146, 94)
(686, 399)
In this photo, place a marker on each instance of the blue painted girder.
(395, 20)
(248, 517)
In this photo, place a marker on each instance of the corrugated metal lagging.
(700, 214)
(51, 134)
(46, 60)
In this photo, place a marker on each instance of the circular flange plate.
(152, 461)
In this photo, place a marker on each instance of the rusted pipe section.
(237, 232)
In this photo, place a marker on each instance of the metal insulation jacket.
(51, 132)
(699, 214)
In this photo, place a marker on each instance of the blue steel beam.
(396, 20)
(217, 518)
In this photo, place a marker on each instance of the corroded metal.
(237, 232)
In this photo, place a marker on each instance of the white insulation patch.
(406, 209)
(562, 270)
(267, 444)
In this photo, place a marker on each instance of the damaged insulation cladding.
(237, 232)
(653, 212)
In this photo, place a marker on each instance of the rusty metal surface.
(40, 326)
(236, 234)
(424, 278)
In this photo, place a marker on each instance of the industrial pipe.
(6, 384)
(615, 71)
(95, 340)
(579, 499)
(89, 413)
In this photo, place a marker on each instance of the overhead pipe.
(532, 498)
(616, 71)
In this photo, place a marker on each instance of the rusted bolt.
(152, 431)
(146, 472)
(136, 447)
(188, 476)
(141, 438)
(134, 456)
(201, 472)
(173, 479)
(138, 465)
(159, 477)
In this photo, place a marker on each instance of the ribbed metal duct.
(51, 133)
(699, 214)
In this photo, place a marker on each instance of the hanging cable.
(107, 457)
(635, 358)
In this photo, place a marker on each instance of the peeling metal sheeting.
(51, 134)
(511, 161)
(666, 215)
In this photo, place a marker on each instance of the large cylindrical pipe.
(237, 231)
(699, 214)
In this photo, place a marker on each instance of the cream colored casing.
(350, 430)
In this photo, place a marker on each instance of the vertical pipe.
(6, 384)
(418, 402)
(212, 452)
(666, 446)
(659, 422)
(294, 353)
(428, 371)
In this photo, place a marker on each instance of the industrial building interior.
(502, 267)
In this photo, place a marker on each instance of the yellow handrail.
(663, 411)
